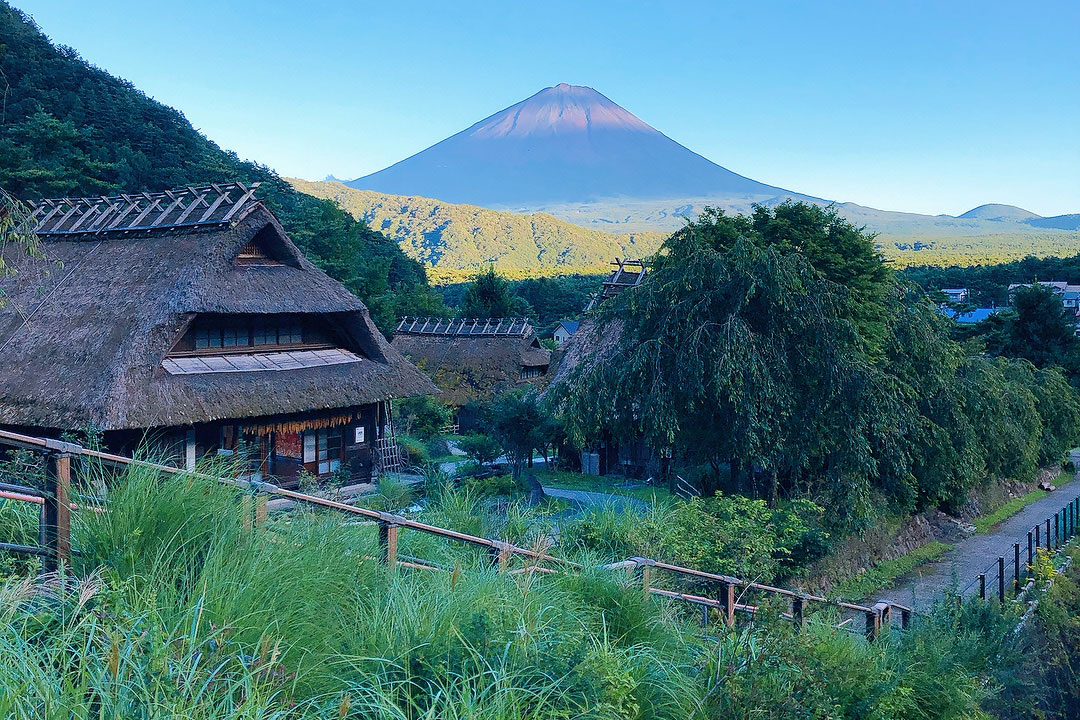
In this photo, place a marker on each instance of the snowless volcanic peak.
(559, 110)
(565, 144)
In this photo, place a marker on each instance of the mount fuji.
(565, 144)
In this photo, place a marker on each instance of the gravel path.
(976, 553)
(584, 498)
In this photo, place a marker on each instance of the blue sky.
(922, 106)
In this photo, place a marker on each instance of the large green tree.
(489, 296)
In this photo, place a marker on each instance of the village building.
(594, 341)
(956, 295)
(564, 330)
(190, 321)
(473, 360)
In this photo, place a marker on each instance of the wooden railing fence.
(729, 598)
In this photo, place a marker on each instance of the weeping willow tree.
(735, 353)
(15, 231)
(788, 367)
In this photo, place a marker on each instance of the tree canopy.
(490, 296)
(804, 367)
(71, 129)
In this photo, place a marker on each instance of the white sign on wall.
(359, 434)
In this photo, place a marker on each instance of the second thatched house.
(473, 360)
(190, 319)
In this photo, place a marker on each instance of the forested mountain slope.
(452, 241)
(71, 129)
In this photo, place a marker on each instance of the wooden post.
(727, 602)
(246, 510)
(500, 555)
(798, 611)
(982, 586)
(1001, 580)
(1048, 534)
(884, 613)
(873, 625)
(905, 618)
(646, 579)
(388, 533)
(1016, 568)
(57, 511)
(1036, 537)
(260, 509)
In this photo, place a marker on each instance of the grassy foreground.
(177, 609)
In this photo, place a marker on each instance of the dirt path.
(974, 554)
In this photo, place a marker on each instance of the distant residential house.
(1058, 287)
(564, 330)
(189, 319)
(473, 359)
(957, 295)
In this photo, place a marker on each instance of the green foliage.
(414, 451)
(422, 416)
(830, 379)
(489, 296)
(72, 129)
(481, 449)
(500, 485)
(727, 534)
(519, 425)
(453, 240)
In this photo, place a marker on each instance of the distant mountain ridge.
(998, 211)
(456, 241)
(566, 143)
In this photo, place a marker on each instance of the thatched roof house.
(192, 313)
(473, 359)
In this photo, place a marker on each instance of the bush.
(437, 447)
(489, 485)
(413, 451)
(422, 416)
(481, 449)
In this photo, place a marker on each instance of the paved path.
(584, 498)
(974, 554)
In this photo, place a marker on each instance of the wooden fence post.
(982, 586)
(798, 611)
(727, 603)
(57, 510)
(873, 625)
(261, 512)
(646, 580)
(388, 536)
(905, 618)
(1048, 534)
(1036, 537)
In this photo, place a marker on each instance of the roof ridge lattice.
(225, 204)
(471, 327)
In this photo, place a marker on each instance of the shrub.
(413, 452)
(422, 416)
(481, 449)
(489, 485)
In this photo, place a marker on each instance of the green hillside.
(71, 129)
(453, 241)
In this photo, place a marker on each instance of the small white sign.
(359, 434)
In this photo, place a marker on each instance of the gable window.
(528, 372)
(255, 333)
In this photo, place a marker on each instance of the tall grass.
(180, 608)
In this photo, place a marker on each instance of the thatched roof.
(467, 363)
(593, 342)
(84, 331)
